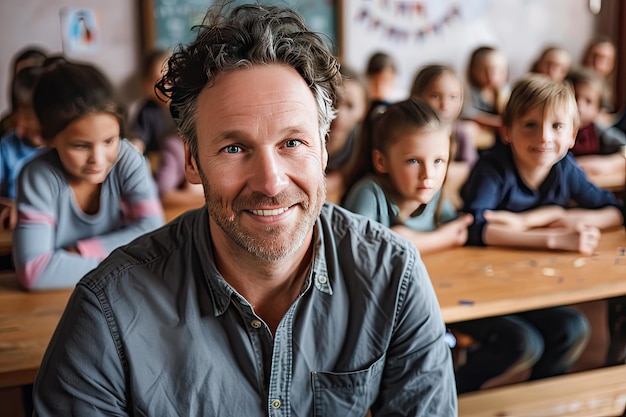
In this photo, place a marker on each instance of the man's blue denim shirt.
(156, 331)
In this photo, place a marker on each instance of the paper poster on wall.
(80, 30)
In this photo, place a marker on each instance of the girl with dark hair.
(90, 193)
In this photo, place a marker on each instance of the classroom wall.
(520, 27)
(422, 32)
(38, 22)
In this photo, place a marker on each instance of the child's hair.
(68, 91)
(478, 54)
(586, 76)
(32, 54)
(537, 90)
(427, 75)
(379, 62)
(411, 115)
(23, 87)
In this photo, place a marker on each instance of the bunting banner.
(405, 21)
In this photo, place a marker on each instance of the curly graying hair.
(249, 35)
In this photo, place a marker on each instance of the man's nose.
(268, 173)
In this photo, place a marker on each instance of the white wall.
(24, 22)
(521, 28)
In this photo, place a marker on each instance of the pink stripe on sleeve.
(146, 208)
(27, 217)
(33, 269)
(91, 248)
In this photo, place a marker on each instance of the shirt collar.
(221, 292)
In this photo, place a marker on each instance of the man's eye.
(232, 149)
(558, 126)
(530, 125)
(292, 143)
(412, 161)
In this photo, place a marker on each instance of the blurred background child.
(90, 193)
(488, 89)
(345, 131)
(553, 62)
(174, 189)
(410, 154)
(601, 57)
(30, 56)
(152, 121)
(20, 144)
(441, 88)
(597, 147)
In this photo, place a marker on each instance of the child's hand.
(456, 230)
(514, 221)
(8, 214)
(582, 238)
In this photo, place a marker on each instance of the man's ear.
(378, 160)
(191, 168)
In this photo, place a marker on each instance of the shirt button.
(276, 404)
(255, 323)
(322, 279)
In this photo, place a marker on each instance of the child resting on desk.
(519, 196)
(411, 152)
(90, 193)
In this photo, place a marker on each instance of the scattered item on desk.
(466, 302)
(616, 262)
(560, 280)
(488, 270)
(549, 272)
(532, 262)
(579, 262)
(622, 251)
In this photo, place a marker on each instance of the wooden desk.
(27, 321)
(615, 181)
(174, 210)
(474, 282)
(6, 242)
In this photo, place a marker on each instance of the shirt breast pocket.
(346, 394)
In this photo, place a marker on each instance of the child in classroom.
(487, 79)
(441, 88)
(29, 56)
(410, 155)
(601, 57)
(344, 130)
(520, 196)
(597, 147)
(20, 144)
(90, 192)
(152, 122)
(554, 62)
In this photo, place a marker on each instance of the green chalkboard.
(170, 21)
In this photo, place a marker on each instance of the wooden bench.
(600, 392)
